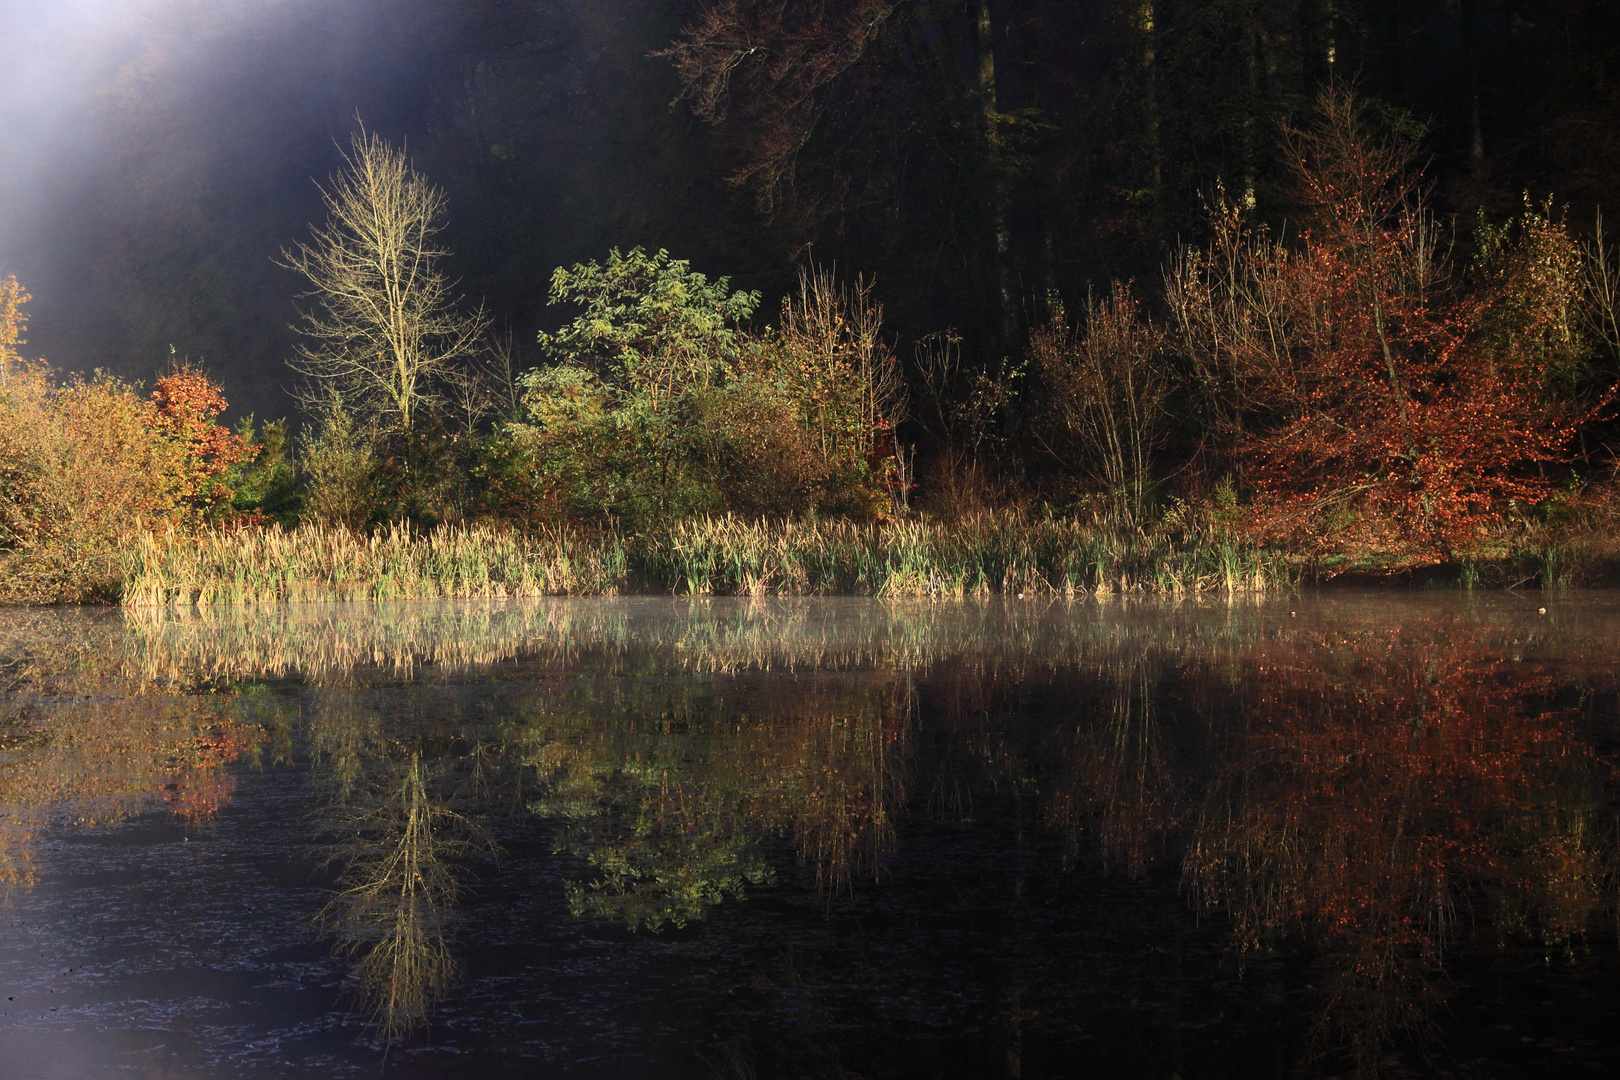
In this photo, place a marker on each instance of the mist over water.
(1317, 835)
(75, 73)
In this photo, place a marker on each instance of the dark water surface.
(1310, 836)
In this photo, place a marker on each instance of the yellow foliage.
(85, 465)
(81, 469)
(12, 324)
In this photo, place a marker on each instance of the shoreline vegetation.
(1326, 395)
(994, 553)
(1005, 553)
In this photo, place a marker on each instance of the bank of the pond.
(992, 553)
(1003, 552)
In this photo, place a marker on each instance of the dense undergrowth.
(1341, 399)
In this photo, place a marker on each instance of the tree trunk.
(1397, 46)
(1147, 24)
(1470, 41)
(999, 195)
(1318, 43)
(1251, 115)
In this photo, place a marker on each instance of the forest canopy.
(1326, 277)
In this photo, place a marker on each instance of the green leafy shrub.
(342, 470)
(265, 487)
(660, 404)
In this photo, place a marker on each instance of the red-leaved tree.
(186, 406)
(1358, 380)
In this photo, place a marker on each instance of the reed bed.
(327, 563)
(1006, 552)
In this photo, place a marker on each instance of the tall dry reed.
(1003, 552)
(325, 563)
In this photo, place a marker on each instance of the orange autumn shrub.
(85, 464)
(185, 409)
(80, 469)
(1375, 399)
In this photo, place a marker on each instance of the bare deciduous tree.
(385, 325)
(851, 390)
(1602, 308)
(1109, 389)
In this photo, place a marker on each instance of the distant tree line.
(969, 156)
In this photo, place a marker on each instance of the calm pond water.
(1316, 835)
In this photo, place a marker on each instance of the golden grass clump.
(1007, 552)
(1003, 552)
(317, 562)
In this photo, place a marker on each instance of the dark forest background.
(971, 155)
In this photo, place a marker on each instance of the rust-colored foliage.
(186, 406)
(1372, 403)
(1375, 788)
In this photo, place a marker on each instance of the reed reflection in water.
(1367, 788)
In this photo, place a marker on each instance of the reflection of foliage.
(1346, 788)
(1371, 790)
(660, 852)
(668, 815)
(84, 742)
(394, 908)
(201, 787)
(94, 764)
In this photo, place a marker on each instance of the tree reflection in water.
(394, 905)
(669, 810)
(86, 741)
(1366, 792)
(403, 793)
(1116, 782)
(1374, 786)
